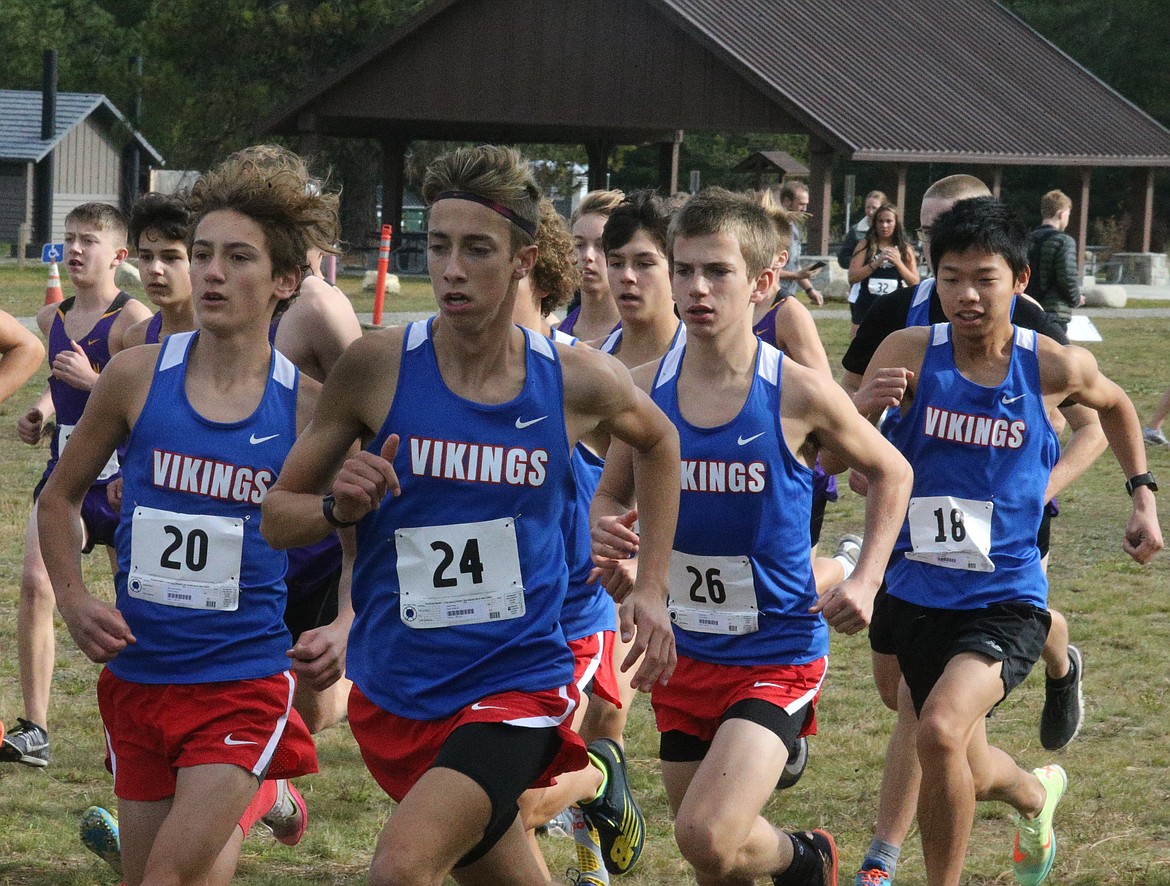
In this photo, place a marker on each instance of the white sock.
(846, 565)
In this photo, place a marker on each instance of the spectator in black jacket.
(1052, 254)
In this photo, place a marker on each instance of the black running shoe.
(1064, 705)
(795, 766)
(28, 743)
(621, 829)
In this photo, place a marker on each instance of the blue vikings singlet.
(459, 582)
(68, 401)
(981, 459)
(588, 608)
(741, 579)
(202, 592)
(919, 311)
(308, 565)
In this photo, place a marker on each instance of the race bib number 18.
(954, 533)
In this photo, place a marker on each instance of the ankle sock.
(847, 565)
(1065, 681)
(883, 855)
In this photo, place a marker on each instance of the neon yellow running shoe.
(1035, 848)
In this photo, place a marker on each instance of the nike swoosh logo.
(487, 707)
(521, 424)
(1019, 857)
(1007, 401)
(231, 742)
(744, 441)
(760, 683)
(93, 341)
(254, 439)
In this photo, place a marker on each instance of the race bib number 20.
(187, 560)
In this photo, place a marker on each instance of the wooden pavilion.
(603, 73)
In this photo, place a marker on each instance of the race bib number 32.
(461, 573)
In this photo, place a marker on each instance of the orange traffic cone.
(53, 293)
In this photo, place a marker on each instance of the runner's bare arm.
(22, 355)
(135, 335)
(598, 385)
(45, 318)
(317, 327)
(812, 405)
(132, 313)
(1083, 448)
(352, 406)
(797, 337)
(97, 627)
(1071, 372)
(31, 425)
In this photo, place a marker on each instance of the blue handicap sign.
(52, 252)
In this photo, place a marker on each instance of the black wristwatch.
(1146, 479)
(327, 504)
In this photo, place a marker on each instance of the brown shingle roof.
(962, 81)
(922, 80)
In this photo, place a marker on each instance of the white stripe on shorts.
(269, 749)
(594, 663)
(546, 722)
(796, 704)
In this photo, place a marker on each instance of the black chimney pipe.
(43, 175)
(132, 157)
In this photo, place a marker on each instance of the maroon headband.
(523, 224)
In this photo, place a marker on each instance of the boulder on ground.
(1105, 295)
(126, 277)
(370, 282)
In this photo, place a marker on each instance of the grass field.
(22, 293)
(1114, 825)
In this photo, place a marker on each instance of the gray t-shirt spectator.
(788, 287)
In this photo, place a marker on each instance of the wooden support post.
(1079, 223)
(668, 164)
(820, 197)
(1139, 205)
(393, 184)
(900, 190)
(598, 154)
